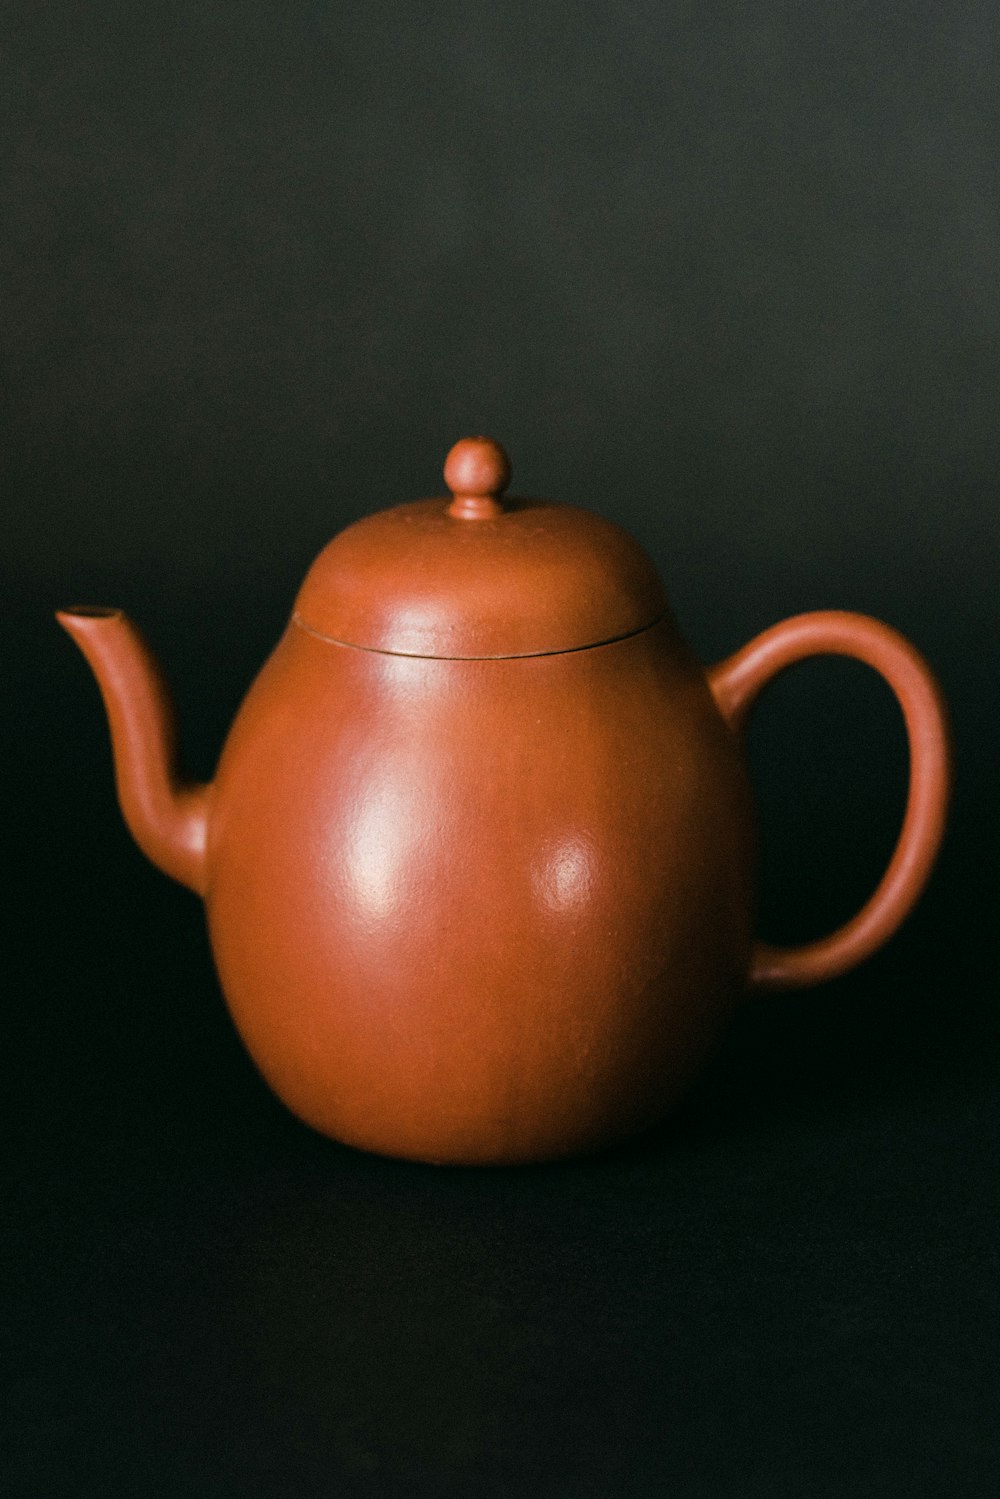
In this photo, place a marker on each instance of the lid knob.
(477, 471)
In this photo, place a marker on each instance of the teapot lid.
(473, 576)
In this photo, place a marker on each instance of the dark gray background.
(727, 274)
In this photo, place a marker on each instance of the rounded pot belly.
(480, 911)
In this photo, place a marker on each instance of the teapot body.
(481, 910)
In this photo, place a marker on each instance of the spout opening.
(88, 611)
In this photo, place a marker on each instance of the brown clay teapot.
(479, 857)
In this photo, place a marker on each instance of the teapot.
(479, 858)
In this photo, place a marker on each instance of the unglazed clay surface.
(479, 858)
(512, 922)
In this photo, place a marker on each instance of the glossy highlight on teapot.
(479, 857)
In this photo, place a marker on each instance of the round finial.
(477, 471)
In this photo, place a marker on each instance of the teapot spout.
(167, 816)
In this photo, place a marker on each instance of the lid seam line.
(568, 650)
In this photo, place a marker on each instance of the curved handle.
(736, 683)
